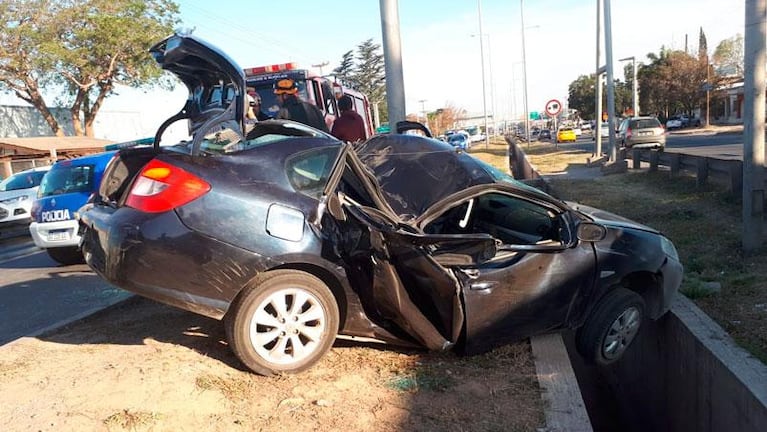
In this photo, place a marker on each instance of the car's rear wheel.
(66, 255)
(611, 327)
(283, 322)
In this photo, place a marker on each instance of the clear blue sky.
(441, 59)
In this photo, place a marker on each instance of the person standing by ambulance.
(349, 126)
(293, 108)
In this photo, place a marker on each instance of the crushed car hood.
(610, 219)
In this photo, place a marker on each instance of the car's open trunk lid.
(120, 173)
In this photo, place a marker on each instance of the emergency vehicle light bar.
(271, 68)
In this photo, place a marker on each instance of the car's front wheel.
(66, 255)
(283, 322)
(611, 327)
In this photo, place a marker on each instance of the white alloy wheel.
(288, 326)
(283, 321)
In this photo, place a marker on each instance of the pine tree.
(702, 46)
(370, 74)
(345, 70)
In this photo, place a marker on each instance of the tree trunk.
(36, 99)
(90, 113)
(75, 111)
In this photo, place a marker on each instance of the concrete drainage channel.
(683, 373)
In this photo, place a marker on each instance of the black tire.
(617, 318)
(66, 255)
(276, 352)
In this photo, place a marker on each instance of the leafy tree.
(81, 49)
(728, 55)
(444, 119)
(581, 96)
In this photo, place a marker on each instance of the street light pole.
(610, 81)
(755, 56)
(482, 60)
(524, 71)
(392, 50)
(634, 92)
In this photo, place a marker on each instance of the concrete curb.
(703, 379)
(564, 408)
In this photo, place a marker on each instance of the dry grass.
(704, 224)
(130, 420)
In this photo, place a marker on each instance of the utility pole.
(598, 102)
(320, 66)
(610, 81)
(524, 71)
(392, 51)
(634, 92)
(423, 111)
(482, 60)
(753, 125)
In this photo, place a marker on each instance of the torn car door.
(538, 277)
(409, 285)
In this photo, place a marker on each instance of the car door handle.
(482, 286)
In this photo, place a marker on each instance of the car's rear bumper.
(55, 234)
(157, 256)
(646, 142)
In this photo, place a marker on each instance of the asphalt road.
(702, 143)
(38, 294)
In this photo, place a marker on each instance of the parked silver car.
(642, 132)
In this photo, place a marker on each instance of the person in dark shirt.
(254, 108)
(294, 108)
(349, 126)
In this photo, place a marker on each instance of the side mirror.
(591, 232)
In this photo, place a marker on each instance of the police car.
(64, 189)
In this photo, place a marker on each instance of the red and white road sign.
(553, 108)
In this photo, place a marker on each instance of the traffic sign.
(534, 115)
(553, 108)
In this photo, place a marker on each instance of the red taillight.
(161, 187)
(628, 133)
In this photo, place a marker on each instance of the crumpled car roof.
(415, 172)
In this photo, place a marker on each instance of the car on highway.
(566, 134)
(17, 193)
(459, 140)
(65, 188)
(294, 238)
(676, 122)
(545, 135)
(641, 132)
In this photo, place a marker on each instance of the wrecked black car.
(294, 238)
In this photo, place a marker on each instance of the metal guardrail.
(702, 166)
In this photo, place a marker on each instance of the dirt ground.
(142, 366)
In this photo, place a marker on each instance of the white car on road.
(17, 193)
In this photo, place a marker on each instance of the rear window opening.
(67, 179)
(645, 124)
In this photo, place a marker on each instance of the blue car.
(64, 189)
(459, 140)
